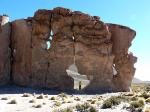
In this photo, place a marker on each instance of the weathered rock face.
(21, 51)
(5, 57)
(74, 38)
(122, 37)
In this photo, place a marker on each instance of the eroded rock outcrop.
(44, 46)
(21, 47)
(5, 55)
(122, 37)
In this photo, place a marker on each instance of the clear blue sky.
(132, 13)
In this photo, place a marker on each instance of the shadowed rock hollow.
(38, 50)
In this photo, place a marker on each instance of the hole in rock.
(48, 45)
(80, 80)
(114, 70)
(73, 38)
(49, 40)
(14, 51)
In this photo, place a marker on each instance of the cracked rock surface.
(37, 51)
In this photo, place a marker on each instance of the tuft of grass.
(12, 102)
(141, 101)
(129, 94)
(147, 100)
(26, 95)
(137, 104)
(82, 107)
(44, 103)
(4, 98)
(93, 101)
(92, 109)
(112, 101)
(145, 95)
(77, 98)
(52, 98)
(63, 95)
(147, 88)
(86, 107)
(134, 98)
(46, 96)
(69, 101)
(40, 96)
(58, 104)
(32, 101)
(67, 110)
(37, 106)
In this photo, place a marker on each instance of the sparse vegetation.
(129, 94)
(141, 87)
(85, 108)
(92, 109)
(77, 98)
(4, 98)
(32, 101)
(134, 98)
(63, 95)
(12, 102)
(44, 103)
(147, 89)
(57, 103)
(112, 101)
(82, 107)
(147, 100)
(93, 101)
(67, 110)
(52, 98)
(145, 95)
(37, 106)
(130, 101)
(69, 101)
(137, 104)
(46, 96)
(26, 95)
(40, 96)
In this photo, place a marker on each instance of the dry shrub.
(114, 100)
(4, 98)
(37, 106)
(26, 95)
(12, 102)
(58, 104)
(32, 101)
(40, 96)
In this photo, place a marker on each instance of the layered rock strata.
(44, 46)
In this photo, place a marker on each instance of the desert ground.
(20, 99)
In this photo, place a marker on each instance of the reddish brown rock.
(5, 55)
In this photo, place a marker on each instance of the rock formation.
(44, 46)
(5, 55)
